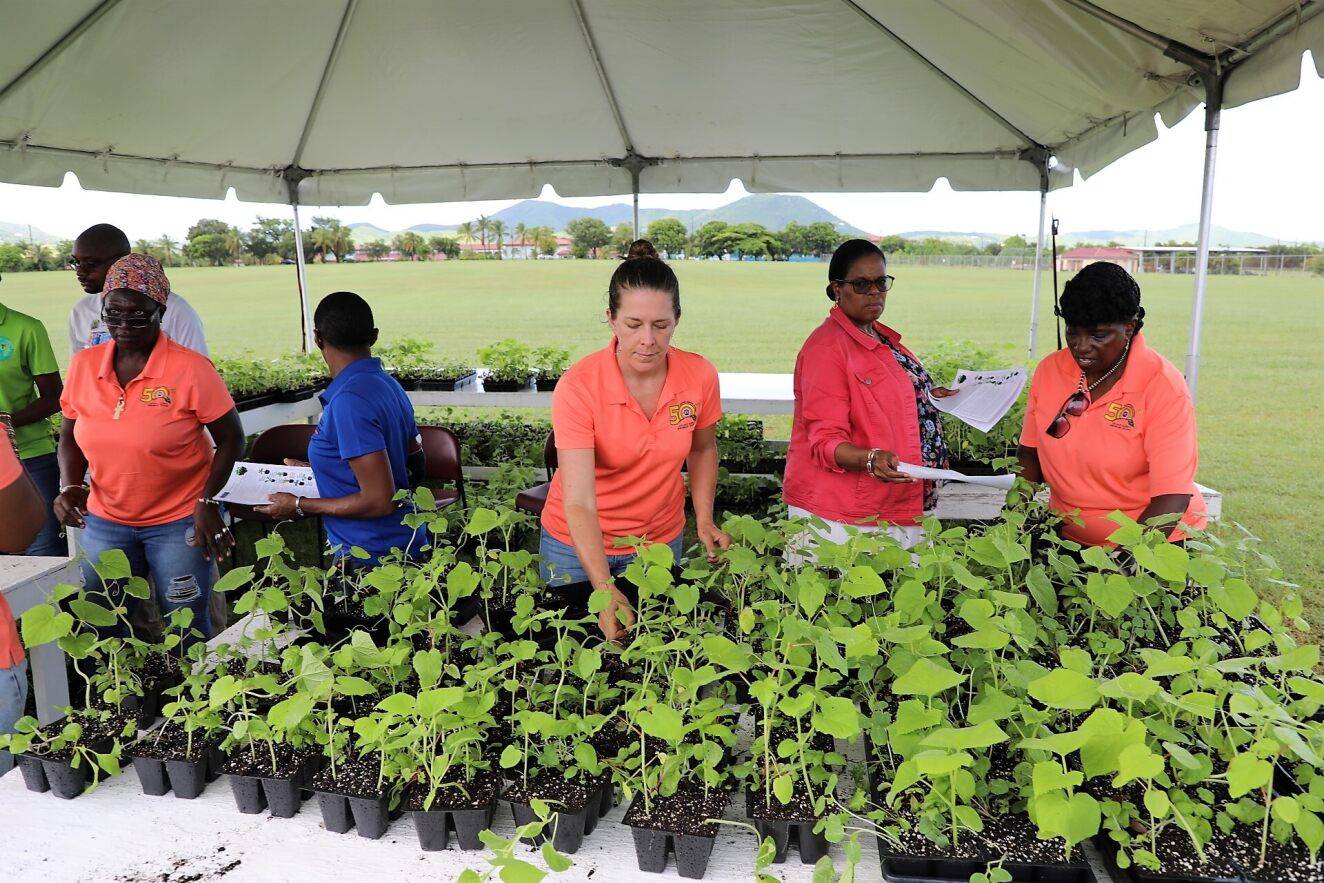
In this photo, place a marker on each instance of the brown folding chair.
(532, 500)
(441, 455)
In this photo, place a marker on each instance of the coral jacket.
(850, 388)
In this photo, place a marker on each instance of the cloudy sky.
(1270, 181)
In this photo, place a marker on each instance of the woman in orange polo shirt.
(1109, 424)
(626, 418)
(137, 413)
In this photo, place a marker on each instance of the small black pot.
(371, 815)
(67, 782)
(248, 794)
(34, 773)
(651, 848)
(151, 775)
(188, 778)
(570, 827)
(336, 817)
(408, 384)
(811, 846)
(435, 825)
(446, 384)
(296, 395)
(258, 401)
(505, 385)
(913, 869)
(285, 794)
(547, 384)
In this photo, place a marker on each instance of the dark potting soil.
(683, 812)
(1229, 856)
(352, 778)
(562, 795)
(1012, 838)
(760, 804)
(257, 763)
(97, 734)
(168, 743)
(475, 793)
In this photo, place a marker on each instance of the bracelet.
(69, 487)
(869, 460)
(298, 506)
(209, 501)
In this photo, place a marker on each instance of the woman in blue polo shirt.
(366, 442)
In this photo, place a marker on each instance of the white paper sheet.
(1001, 482)
(983, 397)
(252, 483)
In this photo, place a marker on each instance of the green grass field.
(1260, 402)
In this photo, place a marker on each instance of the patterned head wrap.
(138, 272)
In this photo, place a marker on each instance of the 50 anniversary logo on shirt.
(157, 396)
(1121, 416)
(685, 413)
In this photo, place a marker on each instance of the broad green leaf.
(482, 521)
(926, 678)
(514, 870)
(234, 578)
(222, 690)
(836, 716)
(510, 756)
(1166, 561)
(1129, 686)
(1076, 659)
(1287, 809)
(913, 715)
(288, 713)
(993, 704)
(1112, 593)
(1157, 803)
(1136, 762)
(556, 862)
(1311, 831)
(1235, 597)
(92, 614)
(726, 653)
(1207, 572)
(782, 787)
(664, 722)
(349, 685)
(979, 736)
(43, 624)
(1067, 689)
(862, 582)
(1246, 773)
(428, 665)
(1048, 776)
(941, 763)
(1075, 818)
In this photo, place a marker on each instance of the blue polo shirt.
(364, 410)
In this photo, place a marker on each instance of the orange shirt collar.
(155, 366)
(859, 336)
(1140, 366)
(613, 381)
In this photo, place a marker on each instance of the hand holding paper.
(251, 484)
(982, 398)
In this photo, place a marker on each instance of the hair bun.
(641, 248)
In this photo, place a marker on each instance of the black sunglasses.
(864, 286)
(137, 320)
(1074, 406)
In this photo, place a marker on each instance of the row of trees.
(592, 237)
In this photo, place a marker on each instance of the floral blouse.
(933, 447)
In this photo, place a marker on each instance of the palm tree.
(465, 231)
(521, 230)
(498, 230)
(324, 240)
(234, 243)
(40, 255)
(144, 246)
(484, 225)
(169, 248)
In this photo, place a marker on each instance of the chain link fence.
(1172, 262)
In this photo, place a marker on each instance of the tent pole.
(1038, 275)
(634, 191)
(1213, 105)
(305, 315)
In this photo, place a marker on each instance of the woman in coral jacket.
(861, 408)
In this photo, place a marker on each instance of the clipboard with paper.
(982, 397)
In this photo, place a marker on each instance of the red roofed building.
(1074, 260)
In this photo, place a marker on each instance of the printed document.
(252, 483)
(1001, 482)
(983, 397)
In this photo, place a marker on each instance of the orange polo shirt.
(147, 451)
(11, 651)
(640, 491)
(1135, 442)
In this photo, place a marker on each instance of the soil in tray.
(480, 790)
(1227, 857)
(97, 734)
(682, 813)
(257, 763)
(1012, 838)
(353, 778)
(169, 743)
(563, 795)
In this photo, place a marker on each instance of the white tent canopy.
(332, 101)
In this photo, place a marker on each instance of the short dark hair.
(108, 236)
(1101, 294)
(345, 321)
(845, 257)
(643, 270)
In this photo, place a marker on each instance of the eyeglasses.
(136, 320)
(1074, 406)
(87, 263)
(864, 286)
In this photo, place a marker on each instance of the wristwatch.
(298, 506)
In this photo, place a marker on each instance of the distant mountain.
(19, 233)
(772, 210)
(1185, 233)
(364, 232)
(979, 239)
(428, 229)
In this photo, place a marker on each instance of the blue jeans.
(13, 696)
(558, 565)
(44, 471)
(182, 576)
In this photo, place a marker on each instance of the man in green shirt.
(30, 390)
